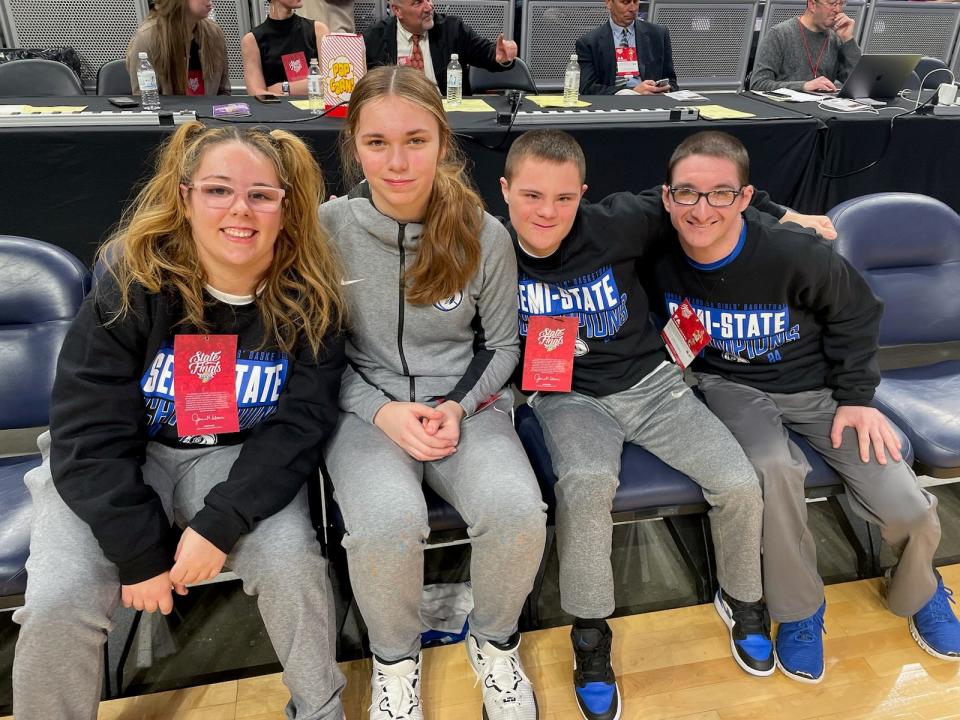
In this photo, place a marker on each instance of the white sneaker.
(395, 690)
(507, 691)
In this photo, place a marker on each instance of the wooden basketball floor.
(670, 664)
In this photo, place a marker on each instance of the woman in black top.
(277, 53)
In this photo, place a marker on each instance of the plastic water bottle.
(147, 80)
(454, 81)
(314, 89)
(571, 82)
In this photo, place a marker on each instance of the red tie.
(416, 57)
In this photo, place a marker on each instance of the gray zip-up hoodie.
(463, 348)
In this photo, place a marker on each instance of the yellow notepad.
(554, 101)
(300, 104)
(469, 105)
(39, 110)
(719, 112)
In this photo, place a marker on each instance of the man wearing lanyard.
(626, 54)
(792, 345)
(811, 53)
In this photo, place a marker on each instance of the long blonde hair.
(449, 251)
(170, 53)
(153, 245)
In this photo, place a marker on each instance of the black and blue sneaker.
(935, 627)
(593, 680)
(749, 626)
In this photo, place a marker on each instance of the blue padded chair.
(649, 488)
(907, 247)
(41, 288)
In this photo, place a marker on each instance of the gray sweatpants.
(886, 495)
(73, 591)
(585, 437)
(489, 482)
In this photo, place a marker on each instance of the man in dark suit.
(415, 36)
(625, 54)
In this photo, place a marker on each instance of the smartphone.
(267, 98)
(123, 102)
(665, 82)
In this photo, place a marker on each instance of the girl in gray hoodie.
(430, 284)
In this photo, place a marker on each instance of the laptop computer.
(878, 76)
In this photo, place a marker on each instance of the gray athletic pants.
(886, 495)
(73, 591)
(585, 437)
(489, 482)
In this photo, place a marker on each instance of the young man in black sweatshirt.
(579, 259)
(793, 340)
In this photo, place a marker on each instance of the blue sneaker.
(935, 627)
(749, 626)
(799, 648)
(593, 680)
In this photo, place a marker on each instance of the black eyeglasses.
(715, 198)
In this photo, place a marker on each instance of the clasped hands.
(196, 559)
(425, 433)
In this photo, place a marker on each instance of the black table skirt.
(68, 186)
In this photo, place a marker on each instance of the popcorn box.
(343, 61)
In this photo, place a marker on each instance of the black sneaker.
(749, 626)
(593, 680)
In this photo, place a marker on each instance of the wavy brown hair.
(170, 53)
(153, 245)
(449, 251)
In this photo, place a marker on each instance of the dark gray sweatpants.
(489, 482)
(73, 591)
(585, 437)
(888, 496)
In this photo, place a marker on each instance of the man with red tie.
(415, 35)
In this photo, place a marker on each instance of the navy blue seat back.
(907, 247)
(41, 288)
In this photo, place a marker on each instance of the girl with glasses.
(194, 390)
(430, 282)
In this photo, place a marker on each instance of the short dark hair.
(554, 146)
(713, 143)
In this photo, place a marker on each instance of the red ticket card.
(195, 82)
(295, 66)
(627, 65)
(548, 358)
(684, 335)
(205, 386)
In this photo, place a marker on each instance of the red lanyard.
(803, 37)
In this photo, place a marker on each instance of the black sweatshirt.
(113, 394)
(784, 311)
(593, 276)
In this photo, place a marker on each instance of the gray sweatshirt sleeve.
(360, 397)
(499, 346)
